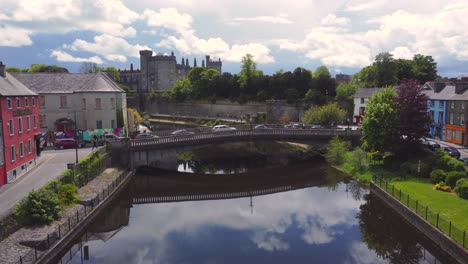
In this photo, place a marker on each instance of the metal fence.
(70, 223)
(444, 225)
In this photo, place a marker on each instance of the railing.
(434, 218)
(70, 223)
(204, 134)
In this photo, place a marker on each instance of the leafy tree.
(379, 125)
(386, 69)
(336, 151)
(182, 90)
(359, 159)
(424, 68)
(114, 71)
(323, 72)
(325, 115)
(365, 78)
(89, 67)
(411, 107)
(405, 69)
(248, 71)
(345, 91)
(46, 68)
(13, 69)
(39, 207)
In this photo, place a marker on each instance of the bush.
(463, 190)
(438, 176)
(459, 183)
(336, 151)
(445, 162)
(67, 177)
(453, 177)
(67, 194)
(39, 207)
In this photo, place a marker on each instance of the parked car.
(182, 132)
(452, 152)
(261, 127)
(431, 145)
(316, 126)
(219, 128)
(145, 136)
(289, 126)
(67, 143)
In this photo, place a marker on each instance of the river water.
(305, 212)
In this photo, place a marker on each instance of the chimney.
(2, 70)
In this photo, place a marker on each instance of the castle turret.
(194, 62)
(183, 62)
(145, 56)
(203, 63)
(131, 66)
(186, 63)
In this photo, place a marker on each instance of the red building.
(19, 123)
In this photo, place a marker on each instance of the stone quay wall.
(437, 237)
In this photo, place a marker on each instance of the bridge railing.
(241, 133)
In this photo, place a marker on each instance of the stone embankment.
(21, 242)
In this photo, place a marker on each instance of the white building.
(361, 97)
(96, 100)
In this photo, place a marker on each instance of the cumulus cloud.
(110, 47)
(360, 254)
(333, 20)
(281, 19)
(14, 37)
(66, 57)
(168, 18)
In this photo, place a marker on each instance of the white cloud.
(402, 53)
(269, 242)
(14, 37)
(66, 57)
(110, 47)
(363, 5)
(360, 254)
(281, 19)
(333, 20)
(168, 18)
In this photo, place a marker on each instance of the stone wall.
(438, 238)
(226, 109)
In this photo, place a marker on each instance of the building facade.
(361, 97)
(19, 124)
(94, 100)
(160, 72)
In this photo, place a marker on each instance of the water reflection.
(325, 221)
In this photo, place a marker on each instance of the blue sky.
(344, 35)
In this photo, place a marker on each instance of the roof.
(67, 82)
(9, 86)
(366, 92)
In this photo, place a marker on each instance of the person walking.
(94, 139)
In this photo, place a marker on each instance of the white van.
(219, 128)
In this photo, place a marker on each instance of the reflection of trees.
(333, 176)
(355, 189)
(387, 234)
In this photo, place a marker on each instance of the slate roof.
(9, 86)
(366, 92)
(46, 83)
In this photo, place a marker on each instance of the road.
(49, 166)
(463, 150)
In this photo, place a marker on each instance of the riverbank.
(20, 243)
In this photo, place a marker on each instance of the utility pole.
(77, 143)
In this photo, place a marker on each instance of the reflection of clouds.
(360, 254)
(269, 241)
(317, 213)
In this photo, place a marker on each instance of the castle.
(160, 72)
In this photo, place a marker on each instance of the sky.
(344, 35)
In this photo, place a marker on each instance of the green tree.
(13, 69)
(379, 126)
(322, 71)
(386, 69)
(325, 115)
(248, 71)
(114, 71)
(46, 68)
(336, 151)
(182, 90)
(39, 207)
(345, 91)
(359, 159)
(424, 68)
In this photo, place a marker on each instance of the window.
(449, 133)
(452, 104)
(441, 104)
(28, 123)
(11, 126)
(26, 102)
(42, 101)
(20, 125)
(451, 118)
(431, 103)
(29, 146)
(34, 101)
(112, 123)
(34, 122)
(462, 119)
(9, 103)
(112, 103)
(63, 101)
(362, 100)
(42, 120)
(361, 110)
(83, 102)
(13, 153)
(98, 103)
(99, 124)
(18, 102)
(21, 149)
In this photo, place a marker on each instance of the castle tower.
(194, 62)
(145, 57)
(203, 63)
(183, 62)
(186, 63)
(211, 64)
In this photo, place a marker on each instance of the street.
(50, 165)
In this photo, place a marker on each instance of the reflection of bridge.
(177, 187)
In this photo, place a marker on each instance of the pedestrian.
(94, 139)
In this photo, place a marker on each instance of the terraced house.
(19, 117)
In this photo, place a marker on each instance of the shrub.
(444, 161)
(459, 183)
(67, 177)
(67, 194)
(463, 190)
(39, 207)
(336, 151)
(453, 177)
(438, 176)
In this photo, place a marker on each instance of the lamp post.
(76, 145)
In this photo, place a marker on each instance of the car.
(431, 145)
(261, 127)
(316, 126)
(289, 126)
(67, 143)
(182, 132)
(298, 125)
(452, 152)
(145, 136)
(219, 128)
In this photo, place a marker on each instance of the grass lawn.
(449, 205)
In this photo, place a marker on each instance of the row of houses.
(34, 103)
(447, 107)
